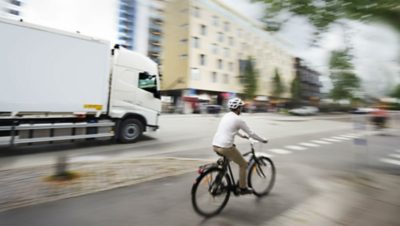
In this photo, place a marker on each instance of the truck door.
(148, 95)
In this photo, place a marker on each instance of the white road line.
(280, 151)
(264, 154)
(320, 142)
(294, 147)
(351, 136)
(391, 161)
(341, 138)
(395, 156)
(309, 144)
(332, 140)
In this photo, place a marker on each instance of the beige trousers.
(234, 155)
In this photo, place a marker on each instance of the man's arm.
(243, 126)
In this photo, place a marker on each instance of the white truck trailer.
(58, 86)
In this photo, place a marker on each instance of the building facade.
(11, 8)
(156, 20)
(204, 44)
(127, 23)
(308, 81)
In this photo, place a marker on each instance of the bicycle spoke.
(209, 194)
(262, 176)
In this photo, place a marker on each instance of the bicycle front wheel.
(261, 176)
(210, 192)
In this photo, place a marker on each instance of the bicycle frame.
(226, 168)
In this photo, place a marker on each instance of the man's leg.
(234, 155)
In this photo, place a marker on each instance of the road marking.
(341, 138)
(294, 147)
(280, 151)
(332, 140)
(259, 154)
(391, 161)
(351, 136)
(320, 142)
(309, 144)
(395, 156)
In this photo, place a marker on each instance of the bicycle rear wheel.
(210, 192)
(261, 176)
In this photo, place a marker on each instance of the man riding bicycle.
(223, 142)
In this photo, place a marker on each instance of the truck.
(63, 86)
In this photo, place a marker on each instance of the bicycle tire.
(219, 190)
(259, 170)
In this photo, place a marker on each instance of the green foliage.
(278, 88)
(345, 82)
(295, 90)
(322, 13)
(396, 92)
(250, 78)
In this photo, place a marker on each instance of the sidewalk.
(29, 185)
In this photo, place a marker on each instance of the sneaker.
(246, 191)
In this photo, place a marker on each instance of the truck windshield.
(148, 82)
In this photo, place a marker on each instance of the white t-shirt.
(228, 128)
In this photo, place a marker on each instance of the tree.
(396, 92)
(295, 90)
(345, 82)
(250, 77)
(322, 13)
(278, 88)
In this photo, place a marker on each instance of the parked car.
(362, 110)
(306, 110)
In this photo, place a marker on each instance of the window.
(196, 42)
(226, 79)
(220, 64)
(148, 82)
(214, 48)
(184, 25)
(183, 40)
(226, 26)
(226, 52)
(202, 59)
(230, 66)
(184, 56)
(220, 37)
(215, 21)
(195, 73)
(14, 12)
(214, 77)
(196, 12)
(231, 43)
(203, 29)
(15, 2)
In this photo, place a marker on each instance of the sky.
(376, 47)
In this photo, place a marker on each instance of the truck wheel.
(130, 130)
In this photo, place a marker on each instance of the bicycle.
(212, 188)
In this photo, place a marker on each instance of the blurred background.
(320, 79)
(325, 53)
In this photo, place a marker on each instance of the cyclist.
(223, 142)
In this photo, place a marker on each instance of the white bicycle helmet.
(234, 103)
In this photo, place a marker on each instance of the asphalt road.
(306, 154)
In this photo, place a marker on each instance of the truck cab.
(134, 97)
